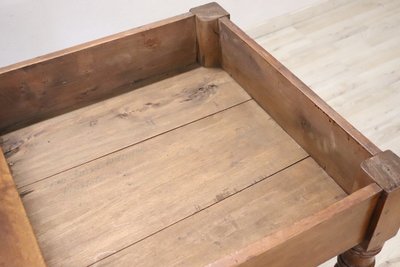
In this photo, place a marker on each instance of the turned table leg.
(357, 257)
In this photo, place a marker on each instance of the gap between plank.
(141, 141)
(198, 211)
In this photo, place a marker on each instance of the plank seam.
(136, 143)
(200, 210)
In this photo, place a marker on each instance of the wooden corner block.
(384, 169)
(210, 11)
(207, 29)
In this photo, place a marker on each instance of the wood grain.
(330, 140)
(207, 29)
(348, 52)
(60, 82)
(107, 204)
(18, 245)
(312, 240)
(102, 128)
(277, 202)
(384, 168)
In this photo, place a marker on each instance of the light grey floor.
(348, 52)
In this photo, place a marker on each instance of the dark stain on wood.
(305, 124)
(200, 93)
(222, 196)
(123, 115)
(13, 148)
(155, 105)
(93, 123)
(152, 43)
(25, 193)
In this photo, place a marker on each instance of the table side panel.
(18, 245)
(309, 242)
(66, 80)
(324, 134)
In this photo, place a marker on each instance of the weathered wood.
(357, 257)
(37, 89)
(240, 220)
(94, 131)
(18, 245)
(349, 56)
(209, 190)
(384, 168)
(144, 188)
(207, 29)
(330, 140)
(311, 241)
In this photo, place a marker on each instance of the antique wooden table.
(183, 143)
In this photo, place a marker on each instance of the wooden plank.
(240, 220)
(107, 126)
(324, 134)
(18, 245)
(314, 239)
(108, 204)
(59, 82)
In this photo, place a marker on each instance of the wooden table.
(183, 143)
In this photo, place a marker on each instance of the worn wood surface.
(144, 188)
(94, 131)
(348, 52)
(114, 198)
(207, 29)
(384, 168)
(59, 82)
(18, 245)
(312, 240)
(334, 143)
(246, 217)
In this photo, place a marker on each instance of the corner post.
(384, 169)
(207, 29)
